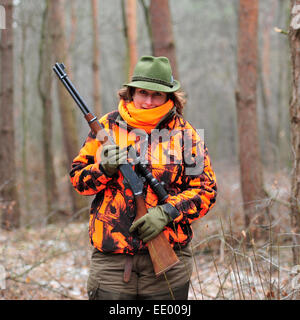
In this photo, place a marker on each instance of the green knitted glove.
(151, 224)
(111, 157)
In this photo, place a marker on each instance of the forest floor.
(52, 262)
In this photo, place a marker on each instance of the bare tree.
(132, 34)
(265, 82)
(96, 60)
(162, 32)
(249, 153)
(294, 37)
(147, 21)
(9, 204)
(44, 88)
(284, 84)
(67, 111)
(25, 131)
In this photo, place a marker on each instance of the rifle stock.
(162, 254)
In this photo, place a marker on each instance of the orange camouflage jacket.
(176, 156)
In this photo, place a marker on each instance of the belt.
(127, 268)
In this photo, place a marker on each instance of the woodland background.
(45, 252)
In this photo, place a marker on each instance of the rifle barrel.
(59, 70)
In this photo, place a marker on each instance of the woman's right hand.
(111, 157)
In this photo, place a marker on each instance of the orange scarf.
(146, 119)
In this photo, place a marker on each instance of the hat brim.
(154, 86)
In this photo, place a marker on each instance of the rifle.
(162, 254)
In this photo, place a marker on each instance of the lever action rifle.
(162, 254)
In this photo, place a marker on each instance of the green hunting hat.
(153, 73)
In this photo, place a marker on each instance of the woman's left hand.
(151, 224)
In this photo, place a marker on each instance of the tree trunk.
(265, 77)
(294, 37)
(281, 86)
(74, 24)
(23, 72)
(96, 61)
(250, 161)
(147, 21)
(162, 32)
(66, 103)
(132, 35)
(9, 204)
(283, 89)
(44, 86)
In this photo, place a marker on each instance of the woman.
(149, 119)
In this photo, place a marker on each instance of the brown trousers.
(106, 282)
